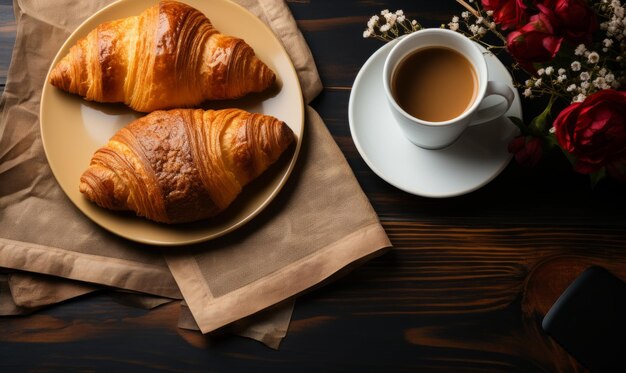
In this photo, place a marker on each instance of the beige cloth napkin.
(31, 290)
(319, 223)
(8, 307)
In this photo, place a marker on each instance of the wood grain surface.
(464, 289)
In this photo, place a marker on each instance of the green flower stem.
(538, 126)
(597, 176)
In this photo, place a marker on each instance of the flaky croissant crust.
(169, 56)
(183, 165)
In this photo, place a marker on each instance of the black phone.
(589, 321)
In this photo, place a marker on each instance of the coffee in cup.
(434, 84)
(435, 81)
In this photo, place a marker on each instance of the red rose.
(594, 131)
(527, 150)
(578, 22)
(535, 42)
(508, 13)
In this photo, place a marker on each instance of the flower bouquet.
(572, 54)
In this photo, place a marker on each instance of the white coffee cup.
(437, 135)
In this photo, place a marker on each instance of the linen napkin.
(31, 290)
(319, 223)
(7, 305)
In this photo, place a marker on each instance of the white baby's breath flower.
(552, 130)
(600, 83)
(465, 15)
(585, 75)
(580, 98)
(384, 11)
(473, 29)
(479, 20)
(585, 85)
(482, 31)
(528, 92)
(490, 13)
(607, 42)
(391, 18)
(385, 27)
(593, 57)
(562, 71)
(367, 33)
(571, 88)
(604, 26)
(602, 71)
(580, 50)
(549, 70)
(492, 26)
(453, 26)
(413, 23)
(541, 71)
(561, 78)
(575, 66)
(372, 21)
(455, 19)
(538, 82)
(399, 12)
(401, 18)
(609, 78)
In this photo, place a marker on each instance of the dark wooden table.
(464, 289)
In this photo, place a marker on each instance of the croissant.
(183, 165)
(169, 56)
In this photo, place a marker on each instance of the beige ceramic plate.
(72, 129)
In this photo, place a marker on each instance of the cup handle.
(492, 112)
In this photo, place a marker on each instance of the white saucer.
(476, 158)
